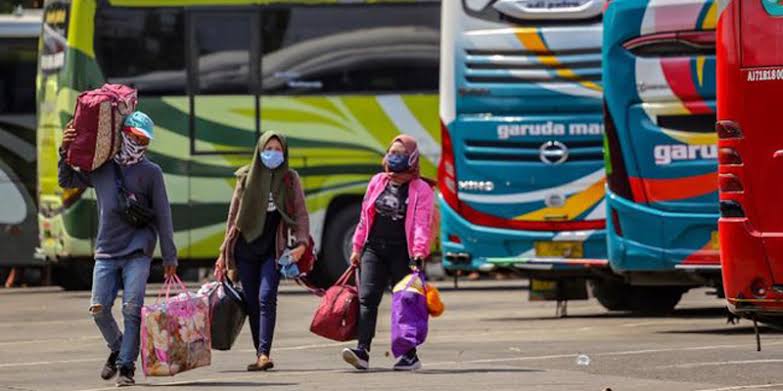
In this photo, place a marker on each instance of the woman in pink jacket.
(393, 237)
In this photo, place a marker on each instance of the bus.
(662, 192)
(521, 176)
(750, 148)
(340, 79)
(18, 213)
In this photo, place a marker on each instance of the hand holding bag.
(338, 315)
(410, 315)
(175, 335)
(226, 312)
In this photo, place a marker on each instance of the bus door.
(223, 67)
(761, 56)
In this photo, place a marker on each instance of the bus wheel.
(74, 275)
(337, 244)
(655, 300)
(612, 295)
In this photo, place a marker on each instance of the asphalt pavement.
(490, 338)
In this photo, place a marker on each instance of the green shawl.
(260, 181)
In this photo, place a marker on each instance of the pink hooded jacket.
(418, 217)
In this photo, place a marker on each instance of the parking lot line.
(750, 387)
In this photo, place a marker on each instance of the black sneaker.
(126, 377)
(110, 367)
(359, 358)
(408, 362)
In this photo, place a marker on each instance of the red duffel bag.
(98, 121)
(338, 315)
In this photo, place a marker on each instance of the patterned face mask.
(131, 152)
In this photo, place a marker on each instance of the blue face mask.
(272, 159)
(397, 162)
(288, 267)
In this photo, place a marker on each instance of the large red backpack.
(98, 121)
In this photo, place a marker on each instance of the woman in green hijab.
(267, 216)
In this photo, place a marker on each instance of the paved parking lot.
(488, 339)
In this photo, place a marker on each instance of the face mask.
(272, 159)
(397, 162)
(288, 267)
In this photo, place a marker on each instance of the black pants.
(383, 265)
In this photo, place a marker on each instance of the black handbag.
(227, 313)
(130, 208)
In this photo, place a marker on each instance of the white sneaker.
(359, 358)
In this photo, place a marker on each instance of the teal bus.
(522, 171)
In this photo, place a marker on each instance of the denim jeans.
(260, 280)
(108, 276)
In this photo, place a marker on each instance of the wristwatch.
(415, 262)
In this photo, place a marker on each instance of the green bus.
(340, 79)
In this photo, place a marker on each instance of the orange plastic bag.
(434, 304)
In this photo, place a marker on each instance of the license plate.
(543, 285)
(715, 241)
(560, 249)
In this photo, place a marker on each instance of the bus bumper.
(750, 287)
(471, 247)
(661, 247)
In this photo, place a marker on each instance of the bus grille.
(530, 151)
(508, 66)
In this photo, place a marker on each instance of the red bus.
(750, 154)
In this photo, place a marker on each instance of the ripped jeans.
(108, 276)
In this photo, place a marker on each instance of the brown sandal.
(267, 365)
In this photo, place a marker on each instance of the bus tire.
(339, 230)
(655, 300)
(75, 275)
(612, 295)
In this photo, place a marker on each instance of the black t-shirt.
(390, 209)
(264, 246)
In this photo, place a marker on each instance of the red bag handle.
(344, 278)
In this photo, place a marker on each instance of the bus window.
(143, 48)
(220, 75)
(351, 49)
(18, 57)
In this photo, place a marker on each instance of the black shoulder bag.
(133, 211)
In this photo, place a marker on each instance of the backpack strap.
(119, 178)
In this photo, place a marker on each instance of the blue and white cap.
(140, 124)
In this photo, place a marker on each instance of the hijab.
(260, 182)
(412, 149)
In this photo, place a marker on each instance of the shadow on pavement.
(223, 384)
(474, 370)
(279, 370)
(685, 313)
(728, 330)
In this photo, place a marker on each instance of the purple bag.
(409, 314)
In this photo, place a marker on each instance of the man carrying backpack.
(133, 210)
